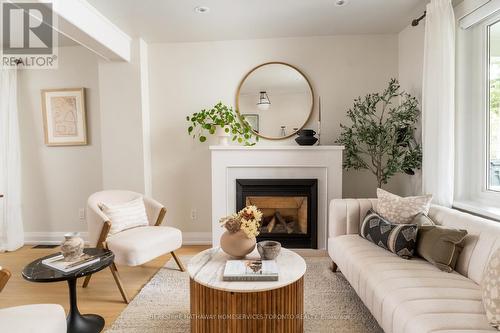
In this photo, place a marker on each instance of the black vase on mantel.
(306, 137)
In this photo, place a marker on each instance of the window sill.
(476, 208)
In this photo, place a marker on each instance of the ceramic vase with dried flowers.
(241, 229)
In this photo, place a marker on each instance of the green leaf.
(203, 138)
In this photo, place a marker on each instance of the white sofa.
(413, 296)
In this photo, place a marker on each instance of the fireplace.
(289, 207)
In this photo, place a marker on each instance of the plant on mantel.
(222, 117)
(381, 138)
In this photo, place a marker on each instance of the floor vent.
(41, 246)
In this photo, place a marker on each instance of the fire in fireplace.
(289, 208)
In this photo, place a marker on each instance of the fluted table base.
(273, 311)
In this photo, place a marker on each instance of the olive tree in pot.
(223, 121)
(381, 137)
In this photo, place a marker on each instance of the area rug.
(331, 305)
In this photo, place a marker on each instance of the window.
(477, 122)
(493, 124)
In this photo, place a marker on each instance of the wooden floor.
(101, 296)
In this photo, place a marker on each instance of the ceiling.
(176, 20)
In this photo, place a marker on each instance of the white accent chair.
(132, 247)
(33, 318)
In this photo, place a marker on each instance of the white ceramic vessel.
(72, 246)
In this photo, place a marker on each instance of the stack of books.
(57, 262)
(251, 270)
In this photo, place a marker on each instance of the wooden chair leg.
(334, 267)
(86, 281)
(118, 281)
(179, 263)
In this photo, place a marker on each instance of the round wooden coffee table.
(256, 306)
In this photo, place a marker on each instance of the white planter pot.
(223, 136)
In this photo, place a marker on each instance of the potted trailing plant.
(223, 121)
(241, 230)
(381, 137)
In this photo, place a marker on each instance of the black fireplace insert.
(289, 207)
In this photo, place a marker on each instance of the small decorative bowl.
(268, 250)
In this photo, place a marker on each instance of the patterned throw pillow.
(490, 289)
(400, 239)
(397, 209)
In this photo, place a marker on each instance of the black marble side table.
(77, 323)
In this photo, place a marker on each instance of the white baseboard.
(197, 238)
(55, 238)
(48, 238)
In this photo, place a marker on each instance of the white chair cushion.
(125, 215)
(34, 318)
(136, 246)
(408, 296)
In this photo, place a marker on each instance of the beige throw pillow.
(440, 245)
(126, 215)
(422, 219)
(397, 209)
(490, 289)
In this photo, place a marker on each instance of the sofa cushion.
(490, 288)
(440, 245)
(397, 209)
(407, 296)
(400, 239)
(33, 318)
(136, 246)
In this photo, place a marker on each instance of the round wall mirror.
(276, 99)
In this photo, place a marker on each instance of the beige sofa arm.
(346, 215)
(155, 211)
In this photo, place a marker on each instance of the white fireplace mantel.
(229, 163)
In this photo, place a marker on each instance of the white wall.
(411, 62)
(125, 157)
(58, 180)
(186, 77)
(183, 78)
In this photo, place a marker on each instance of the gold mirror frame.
(274, 63)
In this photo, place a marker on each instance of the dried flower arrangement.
(247, 220)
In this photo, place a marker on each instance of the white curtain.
(438, 102)
(11, 224)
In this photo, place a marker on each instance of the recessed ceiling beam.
(81, 22)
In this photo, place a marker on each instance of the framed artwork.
(253, 120)
(64, 117)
